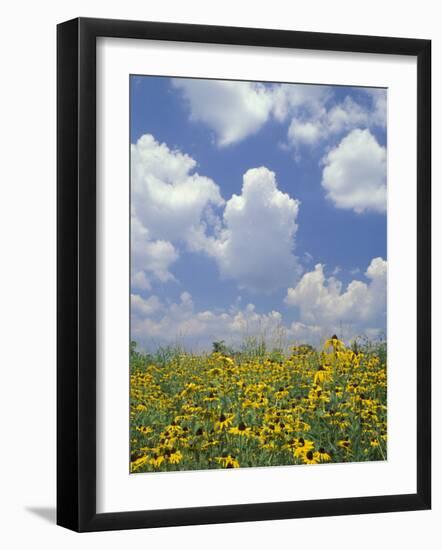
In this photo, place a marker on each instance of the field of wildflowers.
(231, 410)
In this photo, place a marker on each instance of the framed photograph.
(243, 274)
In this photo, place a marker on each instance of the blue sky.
(317, 154)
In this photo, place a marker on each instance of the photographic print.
(258, 279)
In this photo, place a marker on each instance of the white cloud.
(355, 172)
(292, 99)
(346, 115)
(169, 202)
(182, 323)
(233, 110)
(325, 307)
(307, 334)
(149, 259)
(323, 301)
(379, 105)
(142, 307)
(168, 197)
(252, 242)
(255, 245)
(307, 133)
(320, 124)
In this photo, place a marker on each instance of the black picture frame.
(77, 287)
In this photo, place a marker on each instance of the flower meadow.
(231, 410)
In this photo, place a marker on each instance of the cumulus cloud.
(144, 307)
(255, 245)
(325, 307)
(150, 259)
(155, 324)
(169, 203)
(355, 173)
(168, 197)
(327, 121)
(307, 133)
(233, 110)
(294, 99)
(252, 240)
(379, 105)
(346, 115)
(307, 333)
(323, 302)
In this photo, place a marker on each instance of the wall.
(27, 289)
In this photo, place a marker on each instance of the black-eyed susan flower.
(175, 456)
(344, 444)
(156, 460)
(241, 429)
(301, 446)
(228, 461)
(321, 375)
(272, 404)
(210, 398)
(138, 461)
(322, 455)
(281, 393)
(310, 458)
(223, 421)
(334, 343)
(145, 430)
